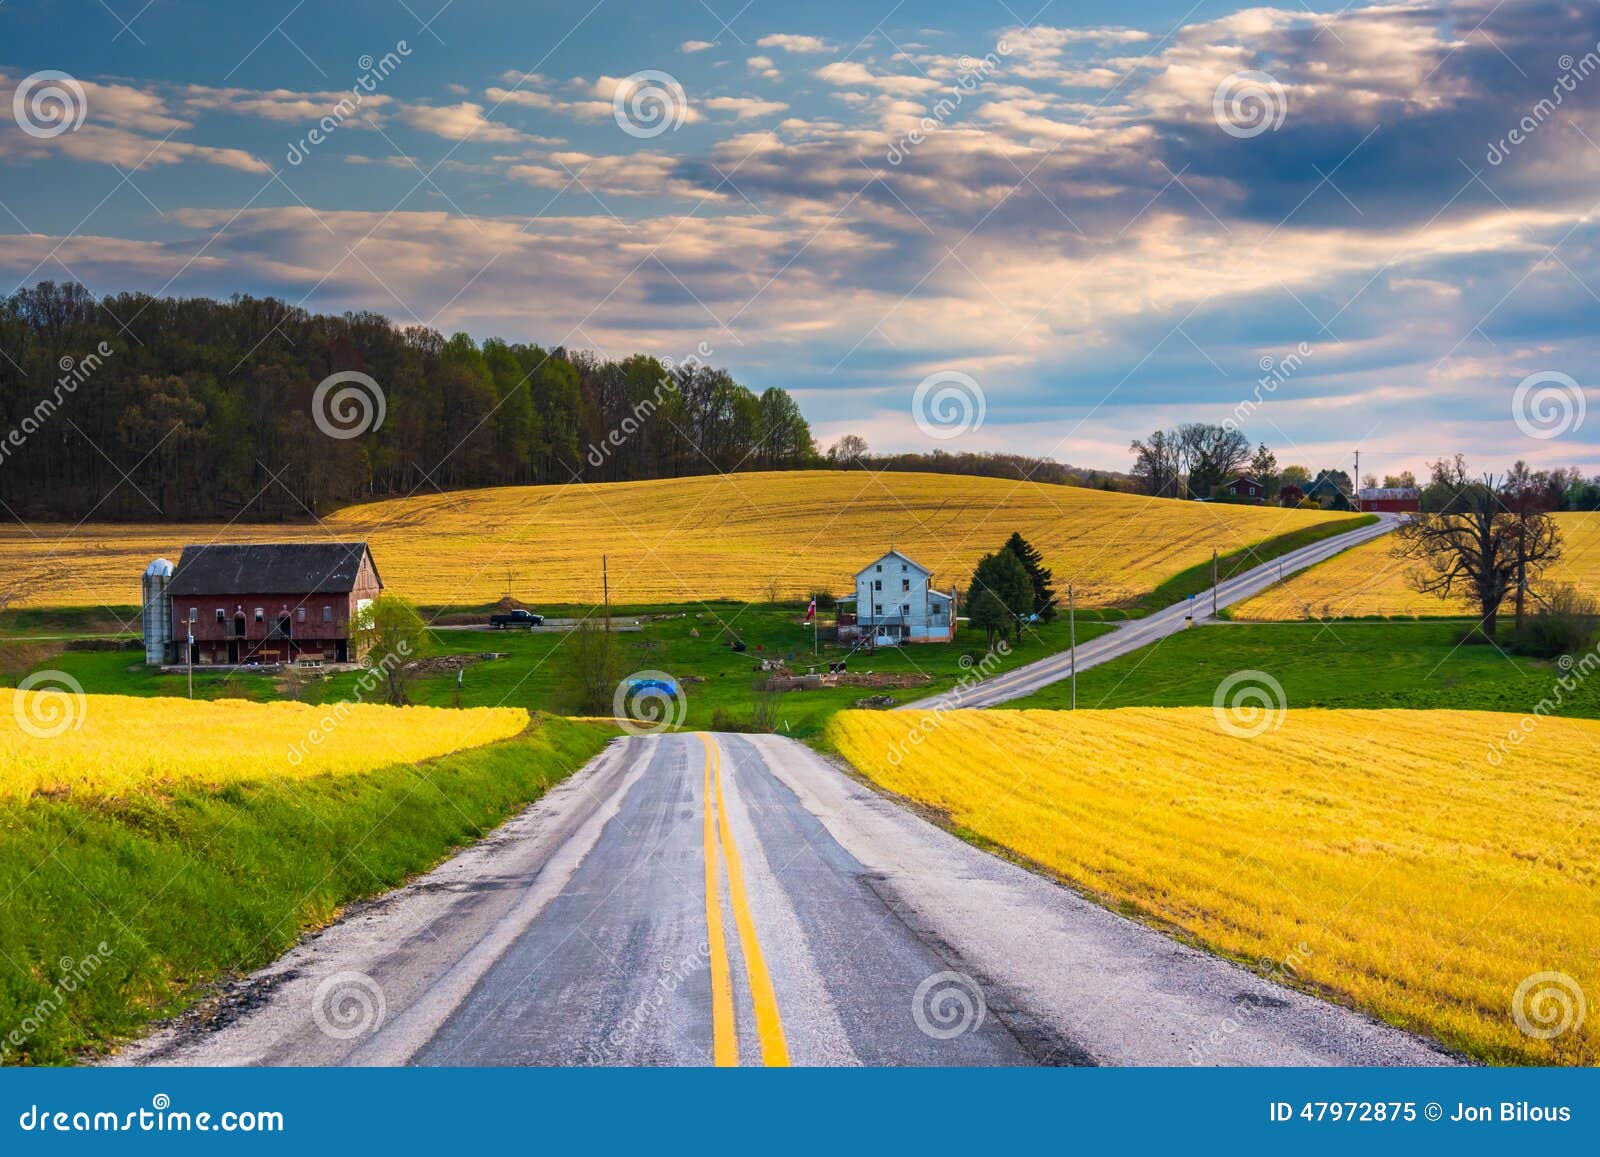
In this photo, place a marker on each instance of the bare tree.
(1156, 464)
(1470, 539)
(592, 668)
(1211, 455)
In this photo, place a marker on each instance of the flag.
(811, 611)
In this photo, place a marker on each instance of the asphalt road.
(1129, 637)
(694, 899)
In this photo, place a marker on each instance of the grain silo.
(157, 616)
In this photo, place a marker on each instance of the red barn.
(275, 602)
(1390, 499)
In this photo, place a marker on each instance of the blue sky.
(1107, 217)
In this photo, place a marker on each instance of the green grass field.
(1343, 664)
(716, 680)
(117, 911)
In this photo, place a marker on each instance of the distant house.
(275, 602)
(1246, 488)
(1327, 493)
(1390, 499)
(1291, 495)
(895, 600)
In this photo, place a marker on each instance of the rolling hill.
(735, 536)
(1368, 581)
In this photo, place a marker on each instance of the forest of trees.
(138, 407)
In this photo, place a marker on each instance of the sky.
(981, 225)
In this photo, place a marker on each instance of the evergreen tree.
(1039, 576)
(1000, 597)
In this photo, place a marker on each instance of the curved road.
(1129, 637)
(691, 899)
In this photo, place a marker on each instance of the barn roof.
(313, 568)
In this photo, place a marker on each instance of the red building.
(1246, 488)
(271, 602)
(1390, 499)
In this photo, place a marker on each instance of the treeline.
(852, 451)
(137, 407)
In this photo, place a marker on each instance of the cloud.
(458, 122)
(852, 74)
(696, 45)
(789, 42)
(763, 66)
(744, 107)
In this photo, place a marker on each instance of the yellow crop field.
(57, 740)
(731, 536)
(1369, 580)
(1384, 855)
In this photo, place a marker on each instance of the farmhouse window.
(877, 608)
(300, 614)
(221, 615)
(327, 614)
(877, 584)
(194, 614)
(905, 584)
(260, 615)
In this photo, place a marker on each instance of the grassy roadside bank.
(116, 911)
(1198, 578)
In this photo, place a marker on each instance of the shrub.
(1566, 623)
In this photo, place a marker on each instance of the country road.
(1129, 637)
(696, 899)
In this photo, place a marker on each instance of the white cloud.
(790, 42)
(458, 122)
(696, 45)
(744, 107)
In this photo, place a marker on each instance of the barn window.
(260, 614)
(878, 568)
(300, 614)
(327, 614)
(221, 615)
(877, 584)
(194, 614)
(905, 584)
(877, 608)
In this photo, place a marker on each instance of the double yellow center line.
(769, 1025)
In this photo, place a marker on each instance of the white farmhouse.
(895, 602)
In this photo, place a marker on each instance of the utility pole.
(605, 587)
(189, 653)
(1213, 582)
(1357, 483)
(1072, 642)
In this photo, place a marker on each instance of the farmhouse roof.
(316, 568)
(1242, 480)
(1388, 493)
(893, 554)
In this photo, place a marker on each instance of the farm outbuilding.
(1390, 499)
(276, 602)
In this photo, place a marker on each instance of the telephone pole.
(1072, 643)
(1213, 582)
(605, 588)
